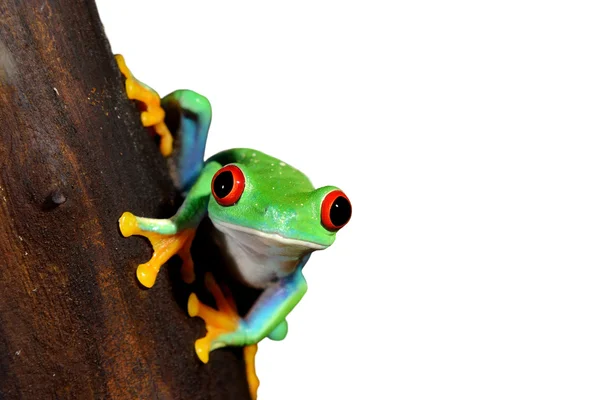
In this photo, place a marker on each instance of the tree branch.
(74, 323)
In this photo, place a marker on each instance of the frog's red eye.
(228, 185)
(336, 210)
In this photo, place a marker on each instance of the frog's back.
(269, 168)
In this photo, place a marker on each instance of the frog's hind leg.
(218, 321)
(153, 115)
(174, 235)
(188, 114)
(223, 320)
(166, 239)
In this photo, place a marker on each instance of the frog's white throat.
(258, 258)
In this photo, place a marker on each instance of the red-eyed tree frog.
(266, 218)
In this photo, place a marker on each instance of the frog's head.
(274, 214)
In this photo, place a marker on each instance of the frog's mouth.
(259, 258)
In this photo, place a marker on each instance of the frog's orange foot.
(220, 321)
(164, 246)
(153, 114)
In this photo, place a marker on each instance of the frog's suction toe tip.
(202, 349)
(193, 305)
(128, 224)
(146, 275)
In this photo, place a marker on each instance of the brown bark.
(74, 322)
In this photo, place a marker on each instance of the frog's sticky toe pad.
(202, 347)
(122, 66)
(146, 274)
(128, 224)
(193, 305)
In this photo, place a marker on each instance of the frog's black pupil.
(223, 184)
(340, 211)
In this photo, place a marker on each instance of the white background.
(466, 134)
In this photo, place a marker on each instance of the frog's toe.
(217, 322)
(146, 274)
(202, 347)
(253, 381)
(128, 224)
(214, 319)
(165, 247)
(122, 66)
(193, 305)
(153, 115)
(225, 317)
(166, 139)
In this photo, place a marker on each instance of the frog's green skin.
(267, 235)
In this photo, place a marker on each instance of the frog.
(266, 218)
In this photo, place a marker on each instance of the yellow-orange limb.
(154, 115)
(223, 320)
(253, 381)
(164, 246)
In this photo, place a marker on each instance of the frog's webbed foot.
(223, 320)
(153, 115)
(166, 241)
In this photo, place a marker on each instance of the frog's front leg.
(167, 239)
(266, 318)
(173, 235)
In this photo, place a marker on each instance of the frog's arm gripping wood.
(174, 235)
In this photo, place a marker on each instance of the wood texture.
(74, 322)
